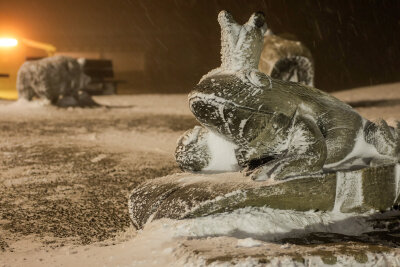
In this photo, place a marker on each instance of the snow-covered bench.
(102, 77)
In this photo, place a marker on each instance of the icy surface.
(269, 224)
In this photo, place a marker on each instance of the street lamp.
(8, 42)
(11, 42)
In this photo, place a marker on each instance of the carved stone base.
(187, 195)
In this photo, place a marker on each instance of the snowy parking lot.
(65, 177)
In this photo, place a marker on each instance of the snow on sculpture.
(276, 129)
(58, 79)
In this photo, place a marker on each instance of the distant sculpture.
(58, 79)
(277, 129)
(286, 59)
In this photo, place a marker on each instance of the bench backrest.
(98, 69)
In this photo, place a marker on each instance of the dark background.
(169, 44)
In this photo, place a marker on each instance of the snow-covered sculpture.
(286, 59)
(58, 79)
(276, 129)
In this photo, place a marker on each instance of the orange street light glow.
(8, 42)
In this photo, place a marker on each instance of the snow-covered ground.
(65, 175)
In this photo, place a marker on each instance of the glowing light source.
(8, 42)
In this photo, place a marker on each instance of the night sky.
(354, 43)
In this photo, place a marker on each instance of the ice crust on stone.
(270, 224)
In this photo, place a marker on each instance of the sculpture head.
(241, 45)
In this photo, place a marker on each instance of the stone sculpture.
(277, 129)
(286, 59)
(58, 79)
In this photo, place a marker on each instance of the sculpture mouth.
(258, 162)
